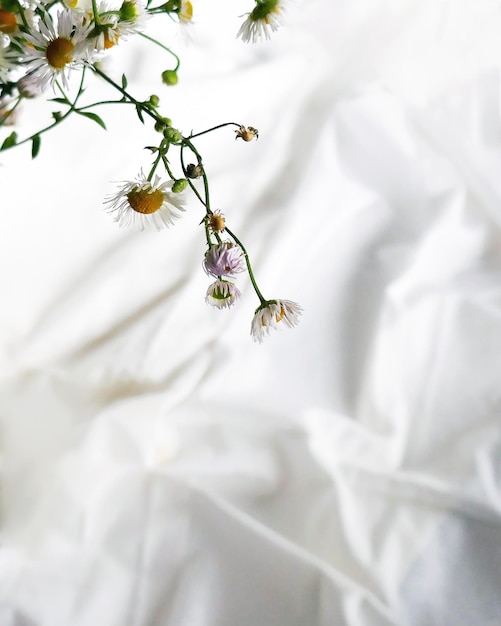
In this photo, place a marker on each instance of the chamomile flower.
(222, 294)
(146, 204)
(265, 18)
(224, 259)
(52, 52)
(272, 314)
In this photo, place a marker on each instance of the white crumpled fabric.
(159, 468)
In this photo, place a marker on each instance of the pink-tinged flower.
(271, 314)
(222, 294)
(224, 259)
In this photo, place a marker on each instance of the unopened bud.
(169, 77)
(179, 185)
(154, 100)
(172, 135)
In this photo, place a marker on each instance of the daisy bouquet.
(45, 44)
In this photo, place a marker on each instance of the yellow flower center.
(59, 52)
(8, 22)
(280, 316)
(109, 42)
(145, 201)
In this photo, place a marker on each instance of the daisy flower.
(266, 17)
(146, 204)
(222, 294)
(270, 314)
(224, 259)
(51, 53)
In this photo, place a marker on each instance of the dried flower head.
(247, 133)
(216, 222)
(194, 171)
(270, 314)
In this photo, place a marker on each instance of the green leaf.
(94, 117)
(60, 100)
(9, 141)
(139, 113)
(35, 145)
(124, 81)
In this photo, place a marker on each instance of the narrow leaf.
(60, 100)
(139, 113)
(124, 81)
(35, 145)
(9, 141)
(94, 117)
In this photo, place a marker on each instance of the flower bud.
(172, 135)
(154, 100)
(169, 77)
(179, 185)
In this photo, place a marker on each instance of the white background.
(159, 468)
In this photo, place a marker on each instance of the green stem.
(158, 43)
(95, 13)
(209, 130)
(249, 267)
(144, 108)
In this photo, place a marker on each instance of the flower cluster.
(44, 43)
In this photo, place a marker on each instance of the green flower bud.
(179, 185)
(169, 77)
(128, 11)
(172, 135)
(154, 100)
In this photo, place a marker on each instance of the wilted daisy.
(224, 259)
(51, 53)
(273, 313)
(146, 204)
(266, 17)
(222, 294)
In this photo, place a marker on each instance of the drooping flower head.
(146, 204)
(52, 52)
(224, 259)
(265, 18)
(274, 314)
(222, 294)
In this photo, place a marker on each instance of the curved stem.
(143, 108)
(209, 130)
(158, 43)
(262, 299)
